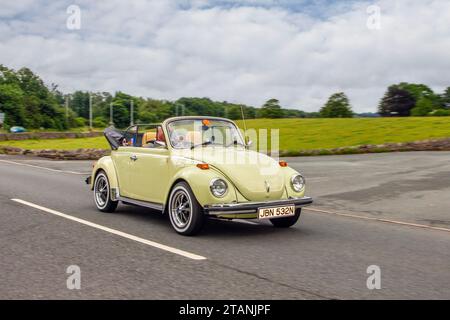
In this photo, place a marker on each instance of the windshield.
(192, 133)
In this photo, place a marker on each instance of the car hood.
(256, 176)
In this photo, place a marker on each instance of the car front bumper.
(249, 210)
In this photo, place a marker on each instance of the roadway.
(325, 256)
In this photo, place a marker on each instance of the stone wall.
(79, 154)
(48, 135)
(425, 145)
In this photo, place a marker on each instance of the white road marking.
(45, 168)
(113, 231)
(409, 224)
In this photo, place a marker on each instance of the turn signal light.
(283, 164)
(203, 166)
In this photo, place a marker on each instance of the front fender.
(199, 181)
(106, 164)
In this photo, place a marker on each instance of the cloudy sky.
(235, 50)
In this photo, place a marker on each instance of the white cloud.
(168, 49)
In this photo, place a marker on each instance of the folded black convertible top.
(115, 137)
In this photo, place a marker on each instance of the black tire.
(102, 193)
(286, 222)
(185, 213)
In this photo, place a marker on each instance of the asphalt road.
(325, 256)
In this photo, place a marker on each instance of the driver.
(179, 139)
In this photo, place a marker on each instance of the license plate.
(276, 212)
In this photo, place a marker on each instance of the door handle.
(134, 157)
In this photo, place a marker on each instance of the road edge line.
(122, 234)
(45, 168)
(409, 224)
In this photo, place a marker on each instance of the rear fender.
(106, 164)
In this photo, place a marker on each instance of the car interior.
(149, 138)
(145, 136)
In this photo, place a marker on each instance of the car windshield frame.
(203, 143)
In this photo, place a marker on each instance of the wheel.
(286, 222)
(185, 213)
(102, 194)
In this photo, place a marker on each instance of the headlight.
(218, 187)
(297, 182)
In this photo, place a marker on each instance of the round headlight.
(218, 187)
(297, 182)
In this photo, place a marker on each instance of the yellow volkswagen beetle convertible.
(192, 168)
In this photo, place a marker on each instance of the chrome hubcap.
(101, 191)
(180, 209)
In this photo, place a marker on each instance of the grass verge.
(302, 134)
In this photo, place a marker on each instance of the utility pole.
(90, 111)
(111, 123)
(131, 113)
(67, 107)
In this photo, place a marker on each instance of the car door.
(149, 175)
(124, 145)
(123, 164)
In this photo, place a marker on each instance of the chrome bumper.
(246, 208)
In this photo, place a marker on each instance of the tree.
(100, 105)
(293, 113)
(440, 113)
(122, 106)
(79, 103)
(151, 111)
(423, 107)
(414, 99)
(28, 102)
(417, 90)
(11, 103)
(337, 106)
(396, 102)
(271, 110)
(233, 112)
(445, 99)
(199, 106)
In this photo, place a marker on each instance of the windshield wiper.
(201, 144)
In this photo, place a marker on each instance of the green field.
(304, 134)
(59, 144)
(310, 134)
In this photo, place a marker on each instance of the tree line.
(28, 102)
(409, 99)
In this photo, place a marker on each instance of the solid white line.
(113, 231)
(45, 168)
(409, 224)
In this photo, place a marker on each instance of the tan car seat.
(147, 137)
